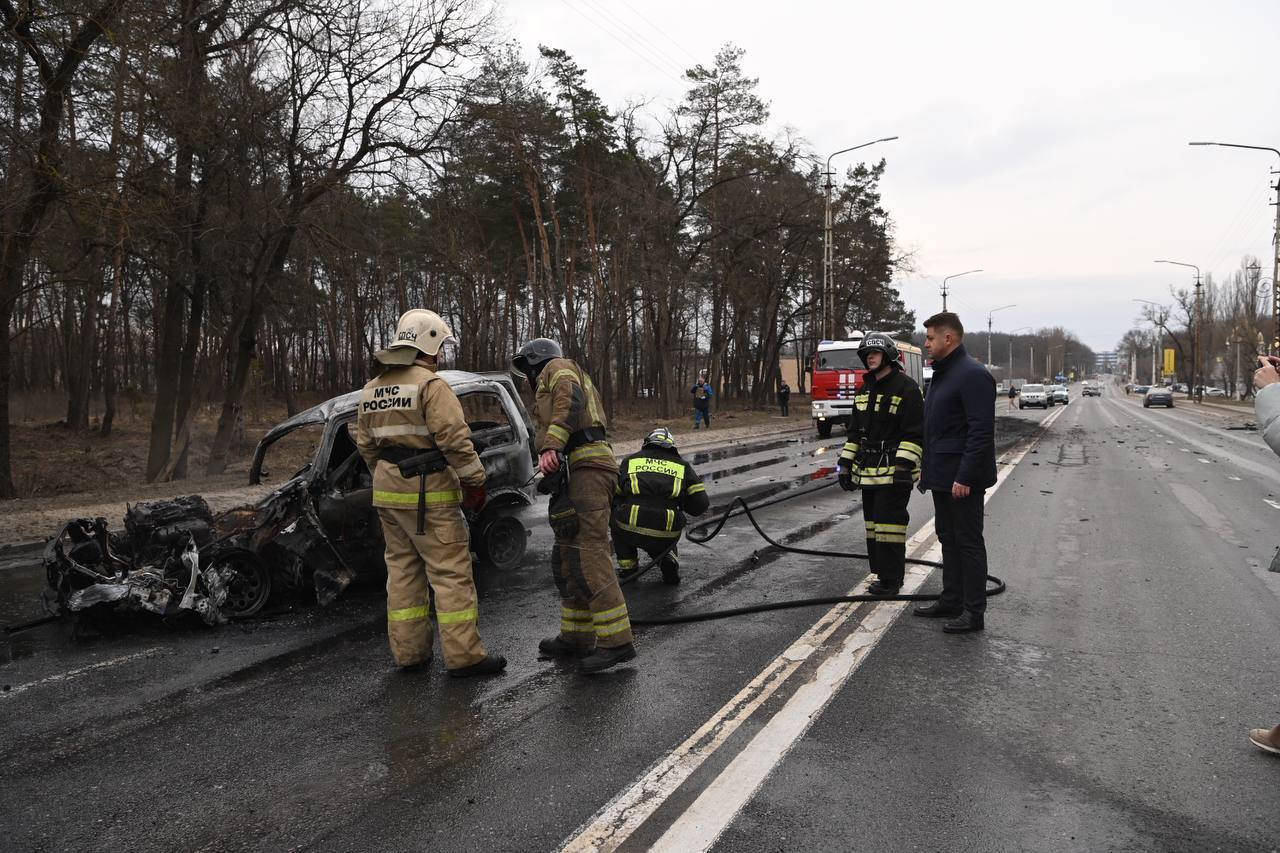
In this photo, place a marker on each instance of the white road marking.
(720, 802)
(1233, 477)
(66, 676)
(1267, 472)
(1271, 503)
(1205, 461)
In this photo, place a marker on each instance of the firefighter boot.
(602, 659)
(488, 665)
(670, 570)
(559, 647)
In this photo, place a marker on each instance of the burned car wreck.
(317, 530)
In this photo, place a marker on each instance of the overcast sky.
(1045, 143)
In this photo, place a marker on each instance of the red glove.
(473, 497)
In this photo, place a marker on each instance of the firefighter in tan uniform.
(414, 438)
(572, 445)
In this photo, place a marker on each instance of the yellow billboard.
(1168, 361)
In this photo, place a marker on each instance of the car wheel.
(824, 429)
(249, 584)
(1021, 407)
(503, 543)
(1145, 404)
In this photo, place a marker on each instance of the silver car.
(1059, 394)
(1158, 395)
(1033, 395)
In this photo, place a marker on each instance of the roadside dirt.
(63, 474)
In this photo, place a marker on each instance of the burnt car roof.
(346, 403)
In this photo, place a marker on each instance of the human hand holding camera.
(1268, 373)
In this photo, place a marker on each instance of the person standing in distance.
(594, 624)
(959, 466)
(406, 412)
(784, 399)
(882, 457)
(702, 395)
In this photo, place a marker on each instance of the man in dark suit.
(959, 466)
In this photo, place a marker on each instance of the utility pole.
(1011, 334)
(944, 286)
(1275, 244)
(828, 276)
(989, 316)
(1195, 329)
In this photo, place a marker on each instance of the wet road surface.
(1104, 707)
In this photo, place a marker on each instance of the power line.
(659, 31)
(658, 51)
(596, 22)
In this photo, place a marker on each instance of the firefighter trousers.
(627, 546)
(884, 509)
(592, 609)
(439, 560)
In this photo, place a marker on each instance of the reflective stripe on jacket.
(566, 402)
(655, 489)
(885, 430)
(413, 408)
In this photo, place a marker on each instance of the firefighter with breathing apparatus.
(882, 457)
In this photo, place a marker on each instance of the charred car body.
(316, 529)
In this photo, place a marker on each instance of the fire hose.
(741, 506)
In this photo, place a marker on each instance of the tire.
(1145, 404)
(1021, 407)
(248, 591)
(502, 543)
(824, 429)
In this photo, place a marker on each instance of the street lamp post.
(989, 315)
(1159, 322)
(1195, 331)
(947, 279)
(828, 279)
(1011, 334)
(1275, 254)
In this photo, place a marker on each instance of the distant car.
(1033, 395)
(1158, 395)
(1180, 387)
(1141, 389)
(1214, 392)
(1059, 394)
(1092, 389)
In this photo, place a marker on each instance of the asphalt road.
(1104, 707)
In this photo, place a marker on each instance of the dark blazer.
(959, 425)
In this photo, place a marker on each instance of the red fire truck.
(837, 375)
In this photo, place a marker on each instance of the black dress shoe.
(882, 588)
(936, 610)
(966, 623)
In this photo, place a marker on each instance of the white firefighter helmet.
(661, 437)
(419, 331)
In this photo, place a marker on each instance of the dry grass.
(52, 462)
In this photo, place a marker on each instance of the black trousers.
(785, 405)
(884, 509)
(964, 552)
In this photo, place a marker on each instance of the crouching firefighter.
(882, 457)
(579, 472)
(656, 488)
(414, 438)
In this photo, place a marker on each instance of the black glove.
(845, 475)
